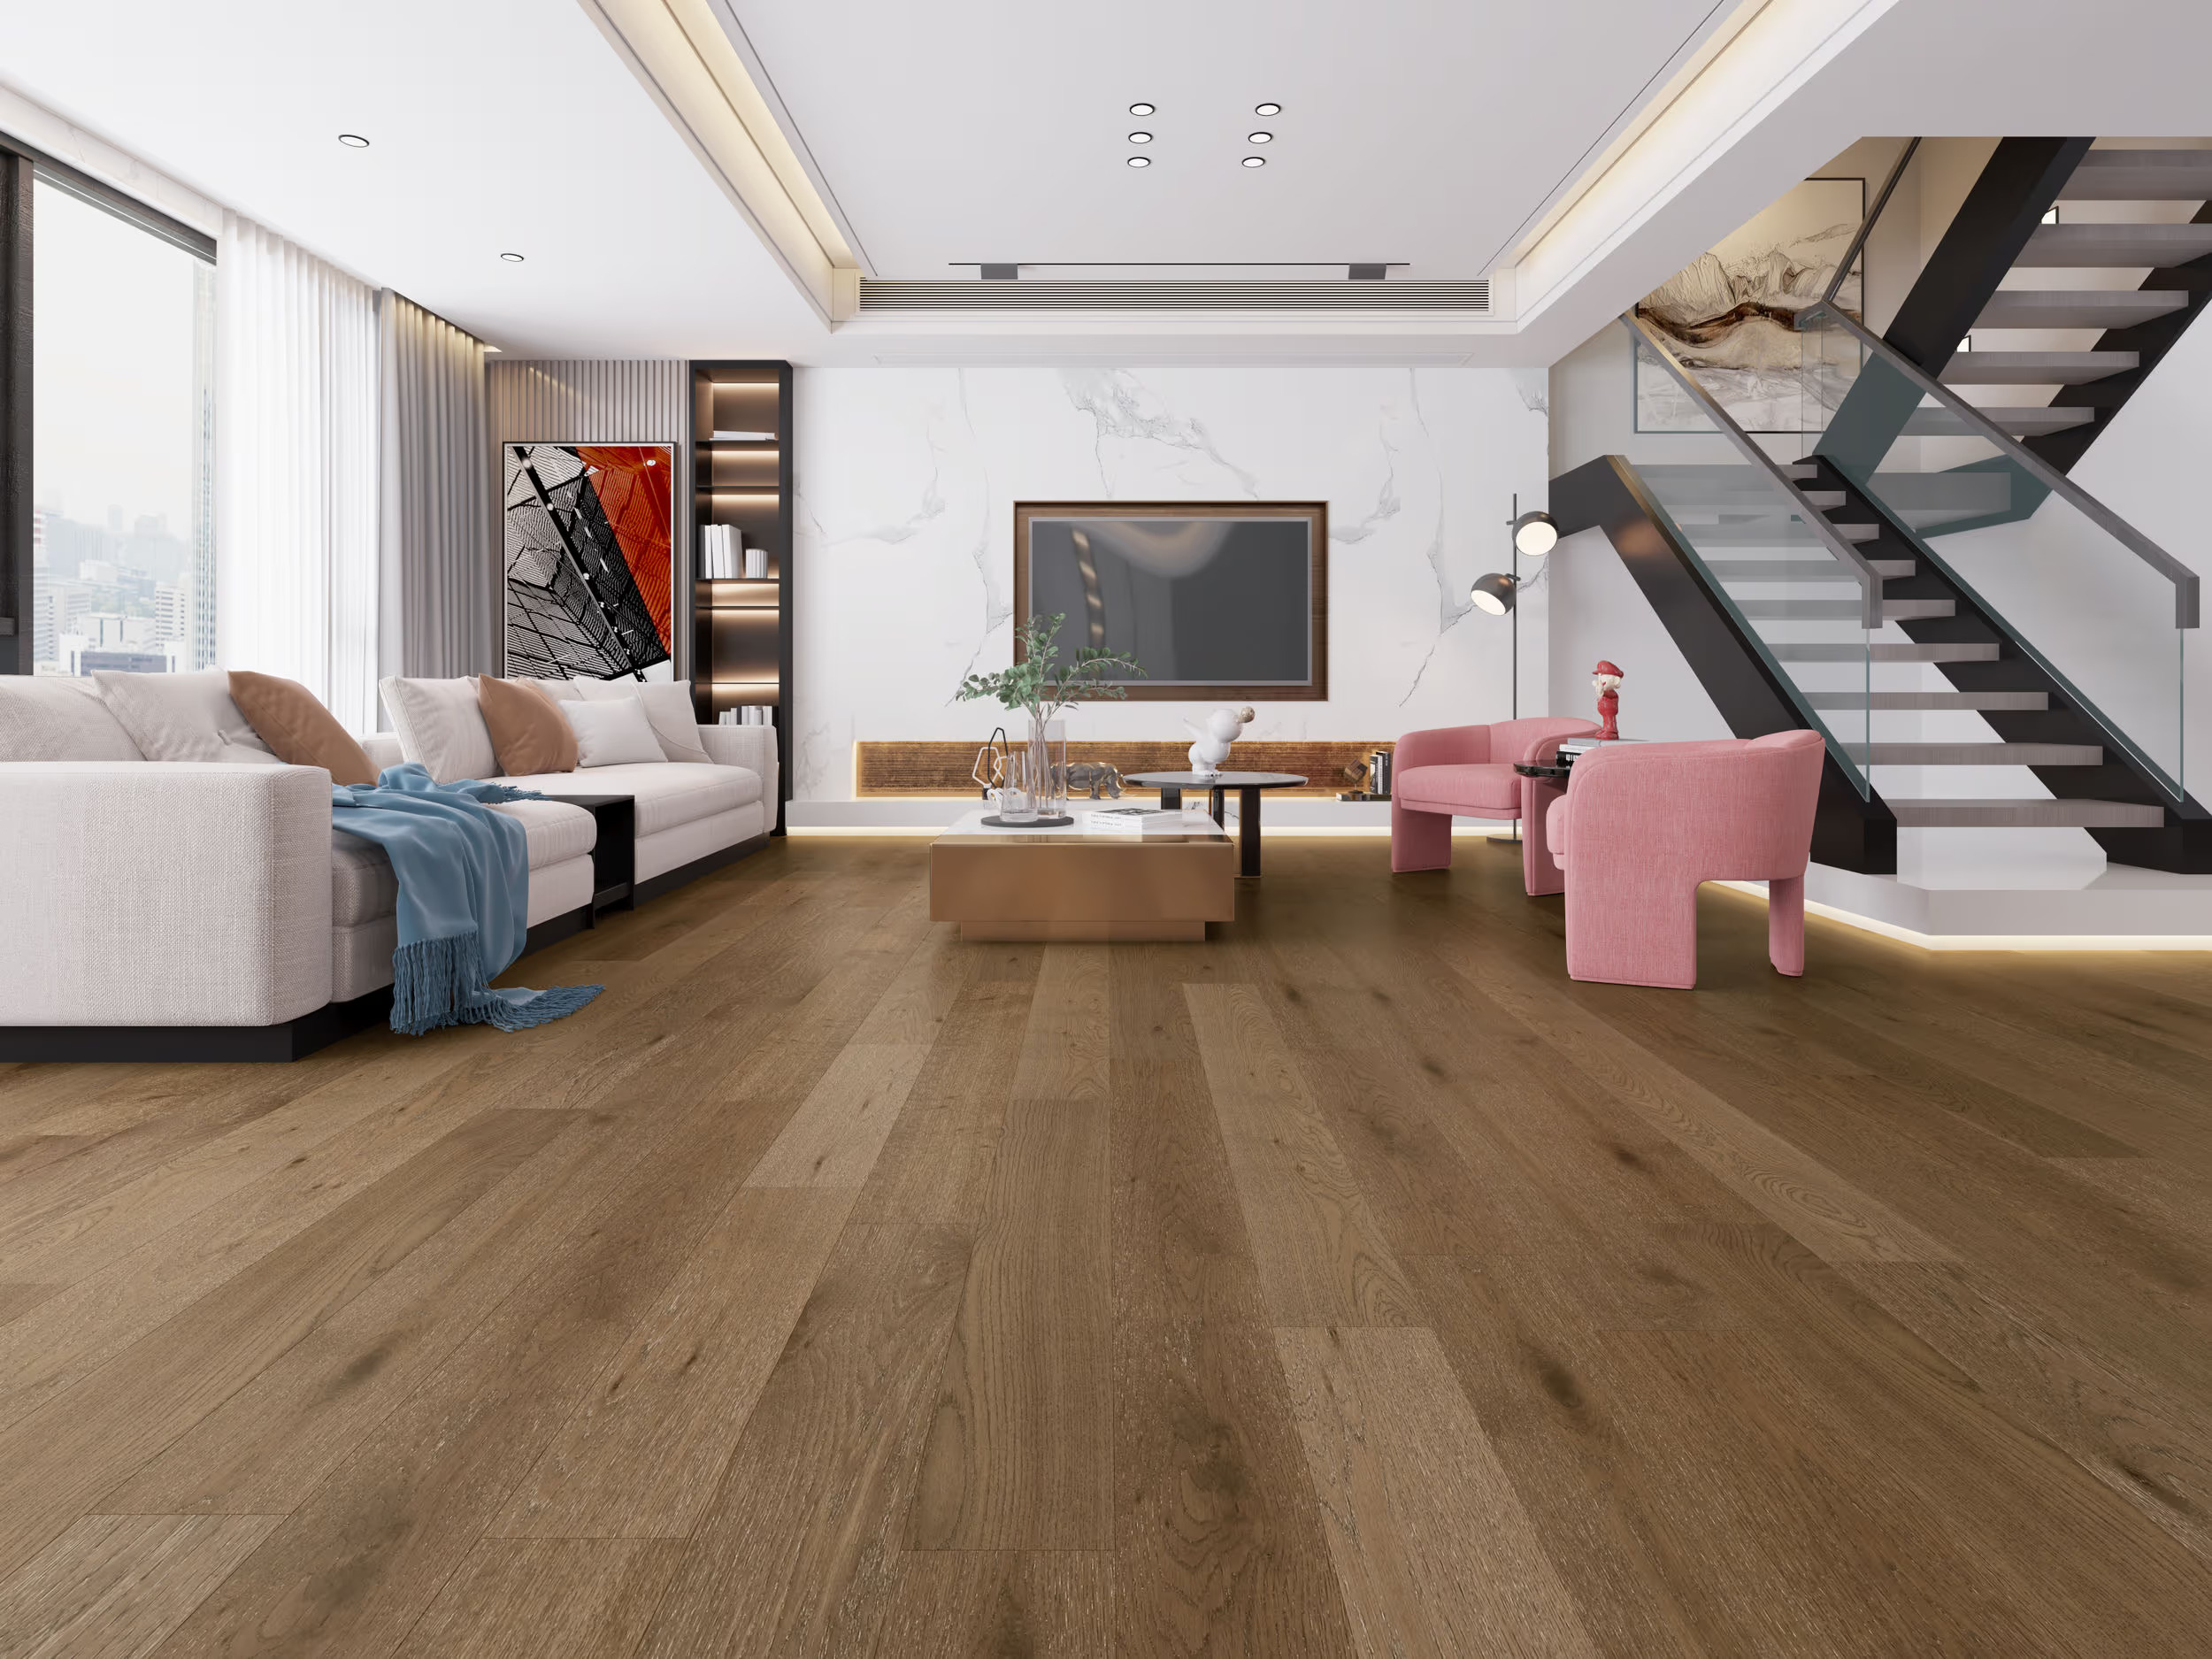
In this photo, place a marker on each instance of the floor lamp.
(1536, 534)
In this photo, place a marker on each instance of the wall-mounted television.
(1215, 599)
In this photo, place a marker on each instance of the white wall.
(906, 481)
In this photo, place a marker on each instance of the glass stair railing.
(1795, 583)
(2089, 600)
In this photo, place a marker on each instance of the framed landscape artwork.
(588, 577)
(1731, 318)
(1212, 599)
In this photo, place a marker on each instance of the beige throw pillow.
(528, 734)
(440, 726)
(292, 721)
(183, 717)
(48, 718)
(668, 707)
(612, 731)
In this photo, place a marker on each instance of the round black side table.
(1249, 786)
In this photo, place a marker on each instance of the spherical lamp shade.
(1536, 534)
(1494, 593)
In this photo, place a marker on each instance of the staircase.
(1829, 592)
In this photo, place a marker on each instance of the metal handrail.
(1870, 581)
(2184, 579)
(1866, 225)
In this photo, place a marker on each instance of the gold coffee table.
(1073, 884)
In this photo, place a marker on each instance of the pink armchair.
(1467, 771)
(1640, 825)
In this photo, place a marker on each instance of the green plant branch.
(1039, 685)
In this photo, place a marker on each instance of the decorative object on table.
(1606, 680)
(589, 562)
(1038, 686)
(1731, 318)
(1097, 777)
(1223, 727)
(1225, 599)
(1535, 533)
(989, 771)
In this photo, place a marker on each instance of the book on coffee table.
(1135, 820)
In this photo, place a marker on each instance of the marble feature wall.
(906, 481)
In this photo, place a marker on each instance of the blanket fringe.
(441, 982)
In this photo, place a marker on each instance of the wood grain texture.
(1349, 1282)
(935, 769)
(1322, 1258)
(112, 1586)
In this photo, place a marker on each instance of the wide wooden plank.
(1321, 1255)
(1020, 1444)
(1413, 1497)
(833, 1140)
(799, 1553)
(954, 1604)
(643, 1452)
(60, 1456)
(550, 1598)
(1065, 1054)
(114, 1586)
(1219, 1546)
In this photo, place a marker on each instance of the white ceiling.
(1423, 131)
(495, 126)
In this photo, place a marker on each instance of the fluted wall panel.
(601, 401)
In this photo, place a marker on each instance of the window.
(122, 438)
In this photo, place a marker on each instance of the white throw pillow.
(612, 733)
(45, 717)
(183, 717)
(441, 724)
(667, 706)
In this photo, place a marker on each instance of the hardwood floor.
(1352, 1283)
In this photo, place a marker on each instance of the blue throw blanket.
(463, 899)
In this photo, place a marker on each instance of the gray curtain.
(438, 567)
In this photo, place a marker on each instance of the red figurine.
(1606, 679)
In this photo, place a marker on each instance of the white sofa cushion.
(668, 706)
(612, 731)
(363, 886)
(45, 718)
(665, 795)
(183, 717)
(440, 726)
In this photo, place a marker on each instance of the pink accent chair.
(1640, 825)
(1467, 771)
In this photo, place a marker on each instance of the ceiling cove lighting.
(512, 259)
(1141, 109)
(1267, 109)
(353, 141)
(1139, 161)
(1259, 138)
(1140, 138)
(1255, 161)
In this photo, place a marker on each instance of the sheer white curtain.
(296, 487)
(438, 569)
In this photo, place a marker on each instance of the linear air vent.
(1175, 296)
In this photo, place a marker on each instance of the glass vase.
(1047, 766)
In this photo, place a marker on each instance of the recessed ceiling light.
(1259, 138)
(353, 138)
(514, 258)
(1139, 161)
(1141, 109)
(1267, 109)
(1255, 161)
(1140, 138)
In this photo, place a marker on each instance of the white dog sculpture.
(1223, 727)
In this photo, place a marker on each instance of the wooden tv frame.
(1315, 515)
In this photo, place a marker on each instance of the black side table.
(1248, 785)
(613, 850)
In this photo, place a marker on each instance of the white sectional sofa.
(209, 910)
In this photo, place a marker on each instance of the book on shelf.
(1137, 820)
(743, 437)
(723, 555)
